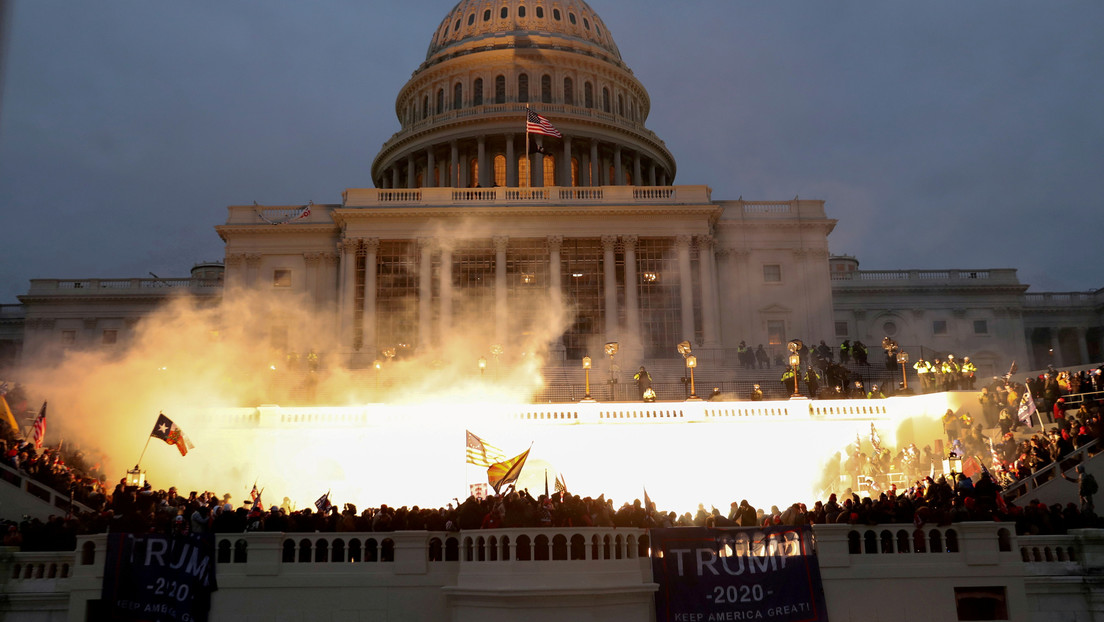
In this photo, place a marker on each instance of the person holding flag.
(501, 474)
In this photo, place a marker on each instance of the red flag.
(168, 431)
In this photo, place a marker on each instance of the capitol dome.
(484, 20)
(462, 113)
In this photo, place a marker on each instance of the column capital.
(706, 242)
(427, 244)
(683, 241)
(500, 243)
(332, 258)
(609, 243)
(312, 259)
(371, 244)
(629, 241)
(555, 243)
(347, 245)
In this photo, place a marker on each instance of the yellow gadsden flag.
(7, 415)
(501, 474)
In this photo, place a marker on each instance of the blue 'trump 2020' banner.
(159, 578)
(745, 573)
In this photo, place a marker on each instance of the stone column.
(686, 286)
(348, 289)
(500, 244)
(555, 287)
(253, 269)
(638, 179)
(632, 289)
(481, 149)
(617, 170)
(594, 170)
(1083, 345)
(511, 163)
(609, 272)
(454, 164)
(368, 319)
(425, 294)
(652, 174)
(431, 167)
(565, 168)
(710, 328)
(411, 172)
(536, 170)
(445, 319)
(313, 261)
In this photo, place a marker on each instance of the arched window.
(487, 15)
(556, 14)
(457, 96)
(521, 11)
(569, 92)
(471, 19)
(523, 88)
(540, 12)
(571, 18)
(425, 106)
(500, 90)
(550, 170)
(440, 101)
(546, 89)
(524, 177)
(586, 23)
(588, 95)
(504, 13)
(456, 27)
(605, 100)
(473, 173)
(477, 92)
(500, 171)
(574, 172)
(621, 105)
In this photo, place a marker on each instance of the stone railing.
(1065, 299)
(964, 277)
(556, 195)
(99, 287)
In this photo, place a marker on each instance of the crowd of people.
(986, 464)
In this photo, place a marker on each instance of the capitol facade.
(472, 216)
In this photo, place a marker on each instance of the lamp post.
(902, 358)
(135, 477)
(586, 371)
(795, 364)
(691, 363)
(611, 350)
(482, 366)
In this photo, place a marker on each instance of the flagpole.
(137, 464)
(528, 164)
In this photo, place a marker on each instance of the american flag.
(482, 453)
(40, 427)
(536, 124)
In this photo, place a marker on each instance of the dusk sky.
(942, 134)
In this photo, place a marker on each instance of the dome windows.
(556, 14)
(456, 28)
(500, 89)
(457, 96)
(571, 18)
(588, 95)
(471, 19)
(504, 13)
(487, 15)
(540, 12)
(523, 88)
(477, 92)
(521, 11)
(569, 92)
(586, 23)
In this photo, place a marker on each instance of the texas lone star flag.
(167, 431)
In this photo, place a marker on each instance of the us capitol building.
(471, 216)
